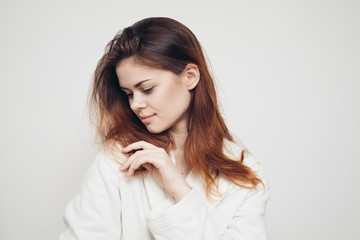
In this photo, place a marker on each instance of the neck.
(179, 136)
(179, 139)
(179, 133)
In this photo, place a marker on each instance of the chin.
(155, 130)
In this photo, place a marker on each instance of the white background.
(288, 74)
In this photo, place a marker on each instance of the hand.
(160, 166)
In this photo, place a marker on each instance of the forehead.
(131, 72)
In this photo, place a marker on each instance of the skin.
(161, 100)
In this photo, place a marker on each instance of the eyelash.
(148, 90)
(145, 91)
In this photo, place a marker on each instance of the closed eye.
(147, 90)
(129, 94)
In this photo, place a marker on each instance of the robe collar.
(157, 194)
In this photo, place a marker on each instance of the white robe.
(112, 206)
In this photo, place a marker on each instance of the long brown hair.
(165, 43)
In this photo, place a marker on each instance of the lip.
(146, 119)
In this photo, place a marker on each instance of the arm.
(249, 220)
(241, 216)
(94, 213)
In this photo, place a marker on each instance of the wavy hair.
(165, 43)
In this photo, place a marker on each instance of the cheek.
(178, 102)
(171, 99)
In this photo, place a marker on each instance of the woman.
(168, 168)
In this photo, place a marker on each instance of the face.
(158, 97)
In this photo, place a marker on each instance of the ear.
(191, 76)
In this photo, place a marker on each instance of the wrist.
(181, 192)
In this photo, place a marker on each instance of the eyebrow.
(138, 84)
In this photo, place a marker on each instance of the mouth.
(146, 119)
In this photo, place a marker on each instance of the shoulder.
(105, 166)
(110, 157)
(234, 149)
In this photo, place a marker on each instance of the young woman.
(168, 167)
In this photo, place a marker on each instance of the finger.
(133, 158)
(138, 145)
(140, 161)
(158, 157)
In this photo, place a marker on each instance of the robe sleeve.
(95, 212)
(249, 220)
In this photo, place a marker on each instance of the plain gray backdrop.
(288, 78)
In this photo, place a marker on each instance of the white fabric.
(112, 206)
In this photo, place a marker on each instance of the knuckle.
(162, 151)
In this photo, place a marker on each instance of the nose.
(137, 102)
